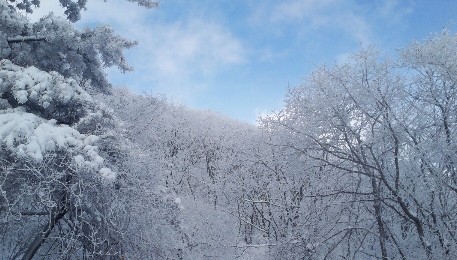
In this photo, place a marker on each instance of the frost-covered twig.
(263, 202)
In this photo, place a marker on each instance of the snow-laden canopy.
(29, 136)
(38, 86)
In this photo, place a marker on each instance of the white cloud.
(170, 48)
(388, 6)
(194, 46)
(318, 14)
(302, 9)
(395, 10)
(357, 19)
(172, 58)
(179, 58)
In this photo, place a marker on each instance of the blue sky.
(239, 57)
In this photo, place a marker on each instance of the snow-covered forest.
(360, 163)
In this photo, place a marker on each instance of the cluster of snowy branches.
(378, 136)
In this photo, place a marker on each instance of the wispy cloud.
(174, 58)
(395, 10)
(171, 47)
(179, 59)
(193, 46)
(312, 10)
(319, 14)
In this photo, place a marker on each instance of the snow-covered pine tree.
(60, 154)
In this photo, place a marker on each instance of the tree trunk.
(378, 215)
(56, 215)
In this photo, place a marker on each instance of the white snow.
(107, 174)
(28, 135)
(42, 88)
